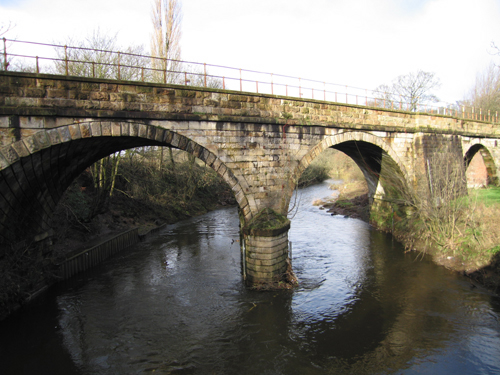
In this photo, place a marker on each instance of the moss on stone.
(267, 223)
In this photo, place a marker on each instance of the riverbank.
(484, 269)
(17, 291)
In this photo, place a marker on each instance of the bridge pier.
(265, 250)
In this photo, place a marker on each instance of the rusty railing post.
(119, 67)
(66, 58)
(205, 74)
(164, 70)
(5, 63)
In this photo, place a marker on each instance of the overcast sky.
(362, 43)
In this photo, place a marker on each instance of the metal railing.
(79, 61)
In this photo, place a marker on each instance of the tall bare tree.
(486, 92)
(166, 16)
(413, 89)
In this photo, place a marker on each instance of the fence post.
(37, 66)
(205, 72)
(5, 63)
(66, 58)
(165, 70)
(241, 83)
(119, 67)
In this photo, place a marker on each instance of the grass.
(489, 196)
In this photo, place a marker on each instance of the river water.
(177, 304)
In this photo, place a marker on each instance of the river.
(177, 304)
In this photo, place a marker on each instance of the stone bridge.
(53, 127)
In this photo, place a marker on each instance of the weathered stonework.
(53, 127)
(266, 252)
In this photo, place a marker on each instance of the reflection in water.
(177, 304)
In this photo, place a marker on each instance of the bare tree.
(96, 56)
(4, 29)
(486, 92)
(413, 89)
(166, 17)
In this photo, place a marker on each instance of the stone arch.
(489, 162)
(36, 170)
(368, 152)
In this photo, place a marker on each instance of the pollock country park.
(166, 216)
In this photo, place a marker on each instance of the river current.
(177, 304)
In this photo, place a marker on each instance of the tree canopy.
(413, 90)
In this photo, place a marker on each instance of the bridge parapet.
(43, 97)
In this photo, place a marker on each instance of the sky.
(360, 43)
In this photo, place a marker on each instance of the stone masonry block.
(31, 122)
(54, 136)
(134, 129)
(3, 162)
(151, 132)
(125, 128)
(268, 255)
(30, 144)
(85, 130)
(42, 139)
(74, 131)
(116, 129)
(106, 128)
(267, 247)
(273, 269)
(143, 131)
(20, 148)
(267, 262)
(175, 140)
(65, 133)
